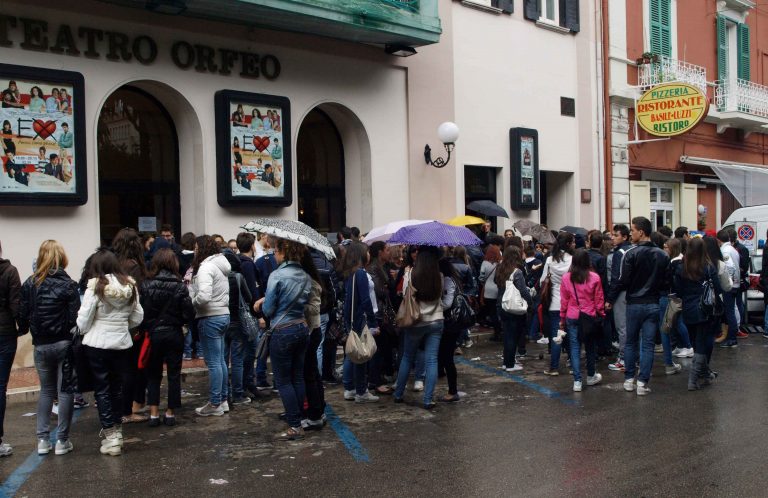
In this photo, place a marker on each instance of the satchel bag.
(262, 348)
(360, 348)
(710, 303)
(460, 314)
(248, 322)
(674, 307)
(512, 301)
(589, 325)
(409, 311)
(545, 291)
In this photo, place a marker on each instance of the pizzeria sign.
(671, 109)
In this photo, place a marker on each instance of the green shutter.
(722, 49)
(743, 37)
(661, 27)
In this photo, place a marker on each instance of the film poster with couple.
(37, 138)
(257, 150)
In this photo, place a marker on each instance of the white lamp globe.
(448, 132)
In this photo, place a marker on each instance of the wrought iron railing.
(742, 96)
(666, 70)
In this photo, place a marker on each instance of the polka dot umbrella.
(292, 230)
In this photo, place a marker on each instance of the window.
(560, 15)
(548, 11)
(662, 205)
(733, 60)
(661, 27)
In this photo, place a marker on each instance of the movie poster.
(38, 137)
(527, 171)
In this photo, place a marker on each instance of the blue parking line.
(19, 476)
(347, 436)
(520, 380)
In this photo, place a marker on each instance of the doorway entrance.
(480, 185)
(138, 164)
(320, 171)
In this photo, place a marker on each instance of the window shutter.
(743, 36)
(531, 9)
(661, 27)
(506, 6)
(569, 14)
(722, 49)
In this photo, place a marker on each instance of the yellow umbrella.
(461, 221)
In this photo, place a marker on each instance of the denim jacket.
(285, 283)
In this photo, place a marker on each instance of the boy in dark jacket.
(10, 294)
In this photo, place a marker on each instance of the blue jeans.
(323, 327)
(666, 341)
(353, 376)
(682, 333)
(740, 306)
(236, 353)
(729, 302)
(554, 325)
(430, 333)
(188, 339)
(7, 354)
(287, 348)
(419, 367)
(642, 324)
(590, 346)
(212, 339)
(535, 325)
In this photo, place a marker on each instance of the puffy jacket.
(166, 302)
(210, 287)
(10, 295)
(642, 274)
(49, 310)
(691, 291)
(106, 323)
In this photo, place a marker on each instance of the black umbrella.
(574, 230)
(488, 208)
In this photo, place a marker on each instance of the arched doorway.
(320, 172)
(138, 163)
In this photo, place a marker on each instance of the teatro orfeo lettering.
(115, 46)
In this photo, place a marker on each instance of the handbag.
(512, 301)
(248, 322)
(710, 303)
(674, 307)
(409, 311)
(83, 373)
(359, 348)
(262, 348)
(545, 291)
(588, 324)
(460, 314)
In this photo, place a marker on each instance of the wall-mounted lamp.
(400, 50)
(702, 209)
(622, 201)
(168, 7)
(448, 133)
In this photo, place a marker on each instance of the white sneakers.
(418, 385)
(43, 446)
(516, 368)
(112, 444)
(642, 387)
(577, 386)
(209, 410)
(349, 395)
(543, 340)
(366, 398)
(64, 447)
(672, 369)
(224, 406)
(5, 449)
(683, 352)
(629, 385)
(594, 379)
(558, 339)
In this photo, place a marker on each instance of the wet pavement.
(512, 435)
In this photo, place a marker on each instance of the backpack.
(460, 314)
(710, 303)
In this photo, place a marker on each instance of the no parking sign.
(746, 233)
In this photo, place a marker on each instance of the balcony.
(667, 70)
(740, 104)
(395, 22)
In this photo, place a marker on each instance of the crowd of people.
(145, 304)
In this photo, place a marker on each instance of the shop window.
(662, 205)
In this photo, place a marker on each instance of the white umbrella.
(292, 230)
(385, 232)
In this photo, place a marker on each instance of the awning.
(748, 183)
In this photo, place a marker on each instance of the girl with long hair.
(581, 291)
(313, 418)
(697, 269)
(445, 363)
(209, 291)
(380, 284)
(287, 294)
(49, 306)
(674, 248)
(167, 307)
(427, 282)
(359, 305)
(557, 264)
(110, 309)
(511, 270)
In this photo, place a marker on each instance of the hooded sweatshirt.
(210, 287)
(106, 323)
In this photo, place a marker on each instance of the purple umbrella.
(435, 234)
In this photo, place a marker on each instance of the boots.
(112, 443)
(698, 366)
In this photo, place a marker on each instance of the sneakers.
(741, 334)
(577, 386)
(543, 340)
(642, 388)
(313, 425)
(5, 450)
(43, 446)
(658, 348)
(730, 344)
(629, 385)
(224, 406)
(112, 444)
(349, 395)
(208, 410)
(418, 385)
(617, 366)
(154, 421)
(187, 357)
(169, 421)
(516, 368)
(594, 380)
(558, 339)
(551, 373)
(242, 400)
(672, 369)
(80, 403)
(366, 398)
(291, 434)
(64, 447)
(683, 353)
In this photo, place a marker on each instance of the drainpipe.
(607, 156)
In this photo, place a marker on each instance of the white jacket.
(106, 323)
(556, 270)
(210, 287)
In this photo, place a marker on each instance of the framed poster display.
(524, 172)
(253, 151)
(42, 115)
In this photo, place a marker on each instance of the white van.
(759, 216)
